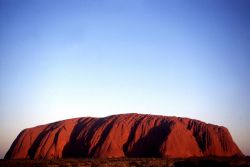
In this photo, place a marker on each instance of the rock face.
(125, 135)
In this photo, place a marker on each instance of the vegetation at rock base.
(131, 162)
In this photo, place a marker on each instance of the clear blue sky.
(62, 59)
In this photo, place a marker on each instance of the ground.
(133, 162)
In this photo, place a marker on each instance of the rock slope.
(125, 135)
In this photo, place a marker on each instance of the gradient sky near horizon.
(61, 59)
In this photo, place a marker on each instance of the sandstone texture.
(124, 135)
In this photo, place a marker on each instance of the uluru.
(124, 135)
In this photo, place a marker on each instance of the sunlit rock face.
(125, 135)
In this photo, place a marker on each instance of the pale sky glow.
(61, 59)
